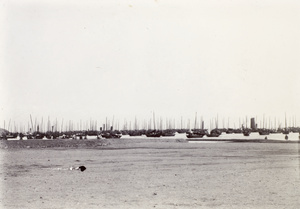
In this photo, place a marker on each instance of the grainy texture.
(150, 173)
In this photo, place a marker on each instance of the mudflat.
(149, 173)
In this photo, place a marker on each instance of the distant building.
(253, 125)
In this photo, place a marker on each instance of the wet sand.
(149, 173)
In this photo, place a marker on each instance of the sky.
(92, 60)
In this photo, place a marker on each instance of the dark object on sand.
(82, 168)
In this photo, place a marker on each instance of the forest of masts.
(152, 123)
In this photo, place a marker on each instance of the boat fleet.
(104, 132)
(108, 134)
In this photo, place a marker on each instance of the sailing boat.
(196, 133)
(264, 131)
(216, 132)
(135, 132)
(286, 130)
(246, 131)
(153, 133)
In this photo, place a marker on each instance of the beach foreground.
(149, 173)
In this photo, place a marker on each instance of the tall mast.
(8, 125)
(35, 124)
(195, 121)
(31, 122)
(42, 125)
(181, 123)
(228, 123)
(285, 122)
(62, 123)
(154, 120)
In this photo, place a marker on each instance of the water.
(291, 136)
(255, 135)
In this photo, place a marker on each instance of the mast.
(35, 124)
(181, 123)
(228, 125)
(195, 121)
(42, 129)
(106, 124)
(31, 122)
(8, 125)
(285, 123)
(62, 123)
(154, 120)
(286, 131)
(48, 124)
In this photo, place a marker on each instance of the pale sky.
(82, 60)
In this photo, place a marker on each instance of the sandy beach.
(149, 173)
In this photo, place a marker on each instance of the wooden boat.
(111, 135)
(238, 131)
(154, 133)
(285, 130)
(135, 133)
(38, 135)
(214, 133)
(194, 135)
(246, 132)
(264, 132)
(198, 133)
(168, 133)
(181, 131)
(229, 131)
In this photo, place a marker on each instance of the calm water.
(291, 136)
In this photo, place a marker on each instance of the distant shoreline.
(117, 143)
